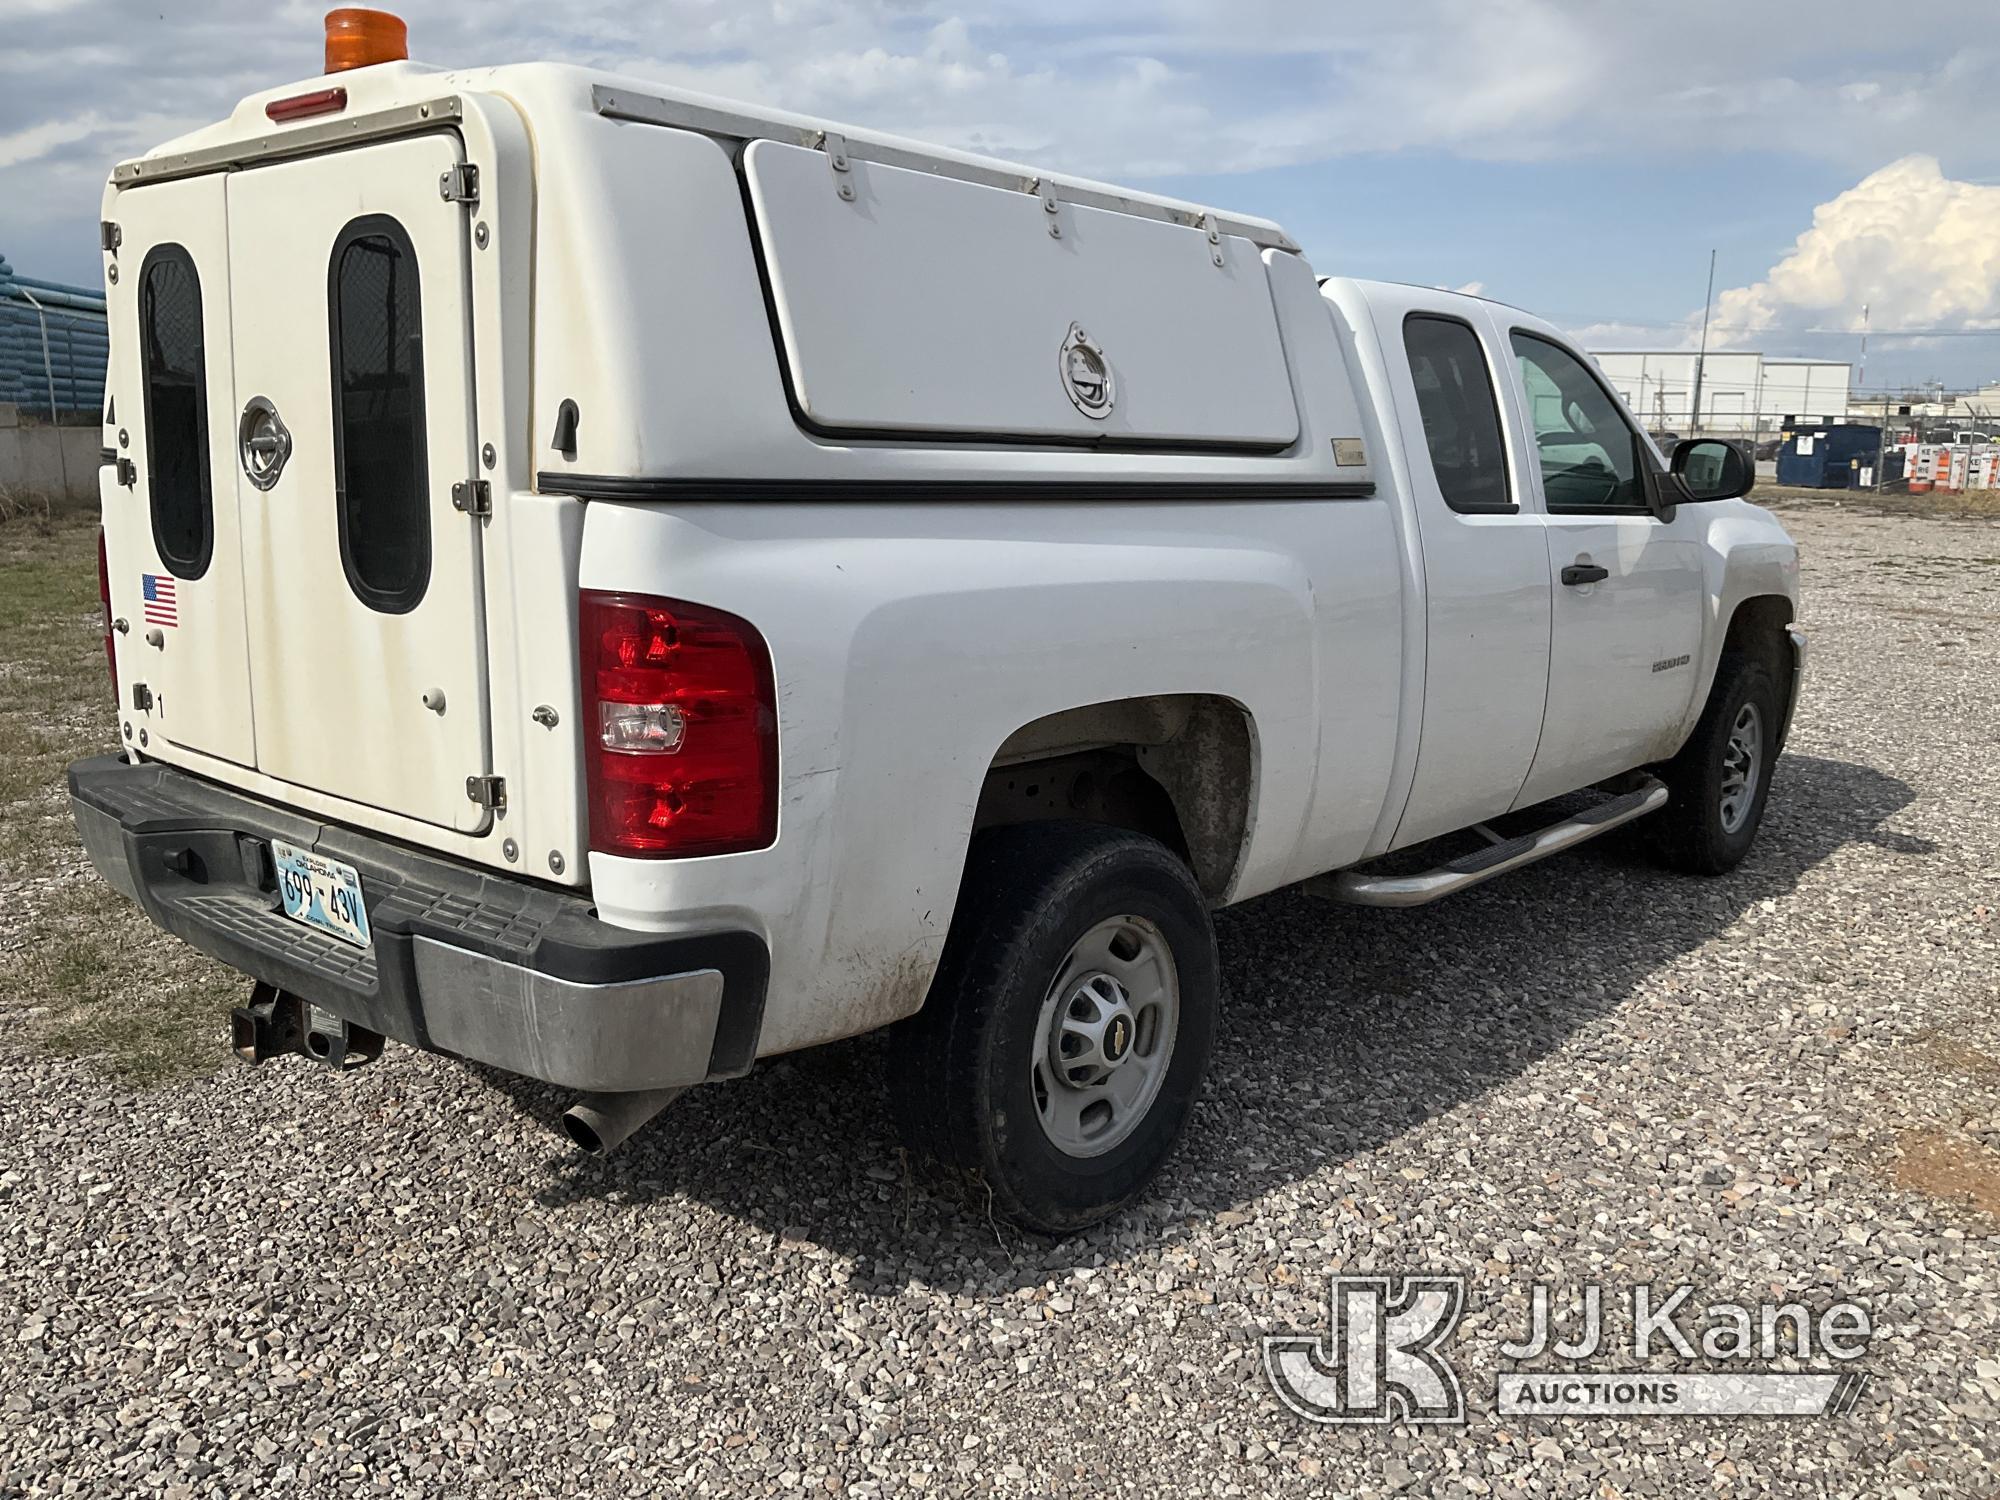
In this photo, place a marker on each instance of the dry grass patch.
(1964, 505)
(81, 968)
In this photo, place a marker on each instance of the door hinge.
(142, 698)
(128, 472)
(489, 792)
(834, 145)
(473, 496)
(109, 236)
(1206, 223)
(459, 184)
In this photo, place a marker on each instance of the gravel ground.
(401, 1282)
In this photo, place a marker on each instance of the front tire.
(1069, 1027)
(1721, 779)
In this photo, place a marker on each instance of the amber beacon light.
(356, 38)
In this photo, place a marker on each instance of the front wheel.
(1719, 782)
(1068, 1030)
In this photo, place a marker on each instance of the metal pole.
(49, 373)
(69, 355)
(1700, 359)
(1882, 447)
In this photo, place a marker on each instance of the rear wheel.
(1719, 782)
(1069, 1027)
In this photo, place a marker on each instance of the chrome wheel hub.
(1742, 765)
(1105, 1036)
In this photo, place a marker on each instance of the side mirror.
(1710, 469)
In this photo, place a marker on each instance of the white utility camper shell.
(882, 316)
(920, 305)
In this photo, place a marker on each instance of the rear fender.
(909, 644)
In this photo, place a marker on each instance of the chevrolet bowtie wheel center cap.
(1104, 1036)
(1094, 1032)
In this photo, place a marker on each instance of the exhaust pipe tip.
(598, 1124)
(576, 1124)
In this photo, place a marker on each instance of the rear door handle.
(1577, 573)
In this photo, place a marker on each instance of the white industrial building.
(1740, 392)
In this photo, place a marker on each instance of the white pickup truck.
(616, 585)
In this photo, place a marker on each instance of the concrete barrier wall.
(56, 464)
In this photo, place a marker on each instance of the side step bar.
(1461, 874)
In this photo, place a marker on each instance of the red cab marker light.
(305, 106)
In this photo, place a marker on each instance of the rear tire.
(1069, 1027)
(1720, 780)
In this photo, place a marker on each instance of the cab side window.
(380, 470)
(176, 374)
(1591, 458)
(1461, 413)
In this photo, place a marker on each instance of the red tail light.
(104, 597)
(680, 728)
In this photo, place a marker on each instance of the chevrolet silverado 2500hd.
(617, 584)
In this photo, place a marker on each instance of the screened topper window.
(380, 468)
(177, 476)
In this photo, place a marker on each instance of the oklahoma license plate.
(321, 892)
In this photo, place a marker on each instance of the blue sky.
(1576, 157)
(1519, 227)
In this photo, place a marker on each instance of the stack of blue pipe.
(78, 345)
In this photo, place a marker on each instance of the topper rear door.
(354, 388)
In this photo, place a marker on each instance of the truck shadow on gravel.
(1342, 1028)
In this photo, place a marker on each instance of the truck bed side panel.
(909, 641)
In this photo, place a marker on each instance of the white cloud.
(1122, 89)
(38, 140)
(1127, 87)
(1917, 249)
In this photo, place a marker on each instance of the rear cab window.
(1461, 412)
(176, 396)
(379, 462)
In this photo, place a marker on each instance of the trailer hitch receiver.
(276, 1022)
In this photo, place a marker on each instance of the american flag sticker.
(162, 607)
